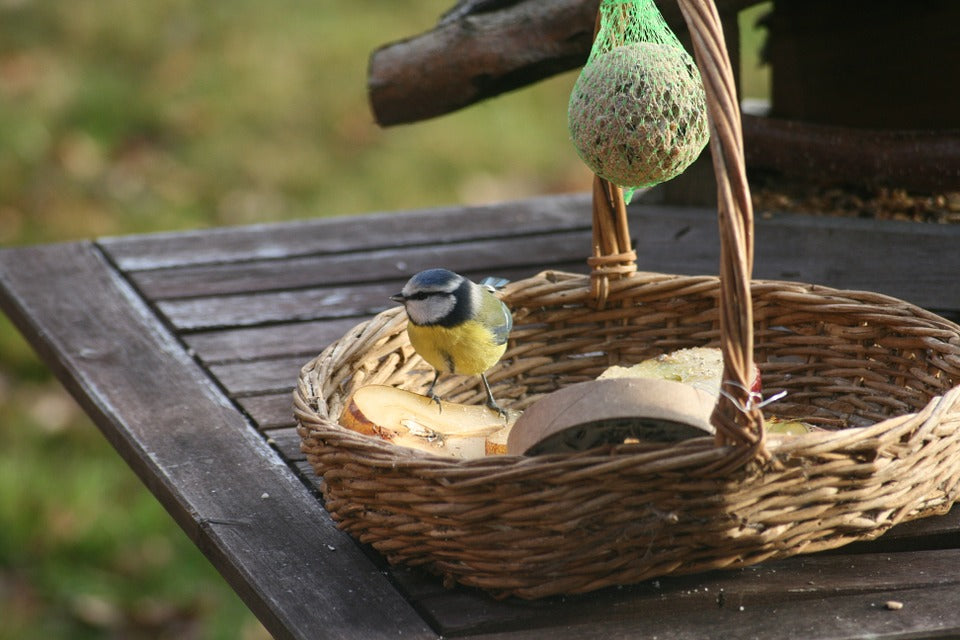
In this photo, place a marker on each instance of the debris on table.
(882, 203)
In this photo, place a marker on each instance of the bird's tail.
(493, 282)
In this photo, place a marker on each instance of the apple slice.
(702, 368)
(787, 427)
(496, 442)
(411, 420)
(699, 367)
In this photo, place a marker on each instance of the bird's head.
(436, 296)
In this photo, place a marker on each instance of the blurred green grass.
(120, 117)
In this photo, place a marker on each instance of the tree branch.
(480, 55)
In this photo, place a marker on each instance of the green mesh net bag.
(638, 112)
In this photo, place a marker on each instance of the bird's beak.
(397, 297)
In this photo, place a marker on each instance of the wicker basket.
(882, 376)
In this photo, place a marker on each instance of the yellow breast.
(467, 348)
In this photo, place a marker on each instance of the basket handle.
(613, 257)
(737, 416)
(613, 254)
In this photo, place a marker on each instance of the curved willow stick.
(737, 418)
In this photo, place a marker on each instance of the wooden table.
(184, 348)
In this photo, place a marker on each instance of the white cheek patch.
(430, 310)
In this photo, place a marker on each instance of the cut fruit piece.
(411, 420)
(496, 442)
(786, 426)
(699, 367)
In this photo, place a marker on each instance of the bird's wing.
(501, 328)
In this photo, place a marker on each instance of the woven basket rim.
(779, 446)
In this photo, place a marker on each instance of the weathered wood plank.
(762, 588)
(476, 256)
(163, 414)
(245, 310)
(277, 375)
(305, 339)
(306, 471)
(915, 262)
(287, 443)
(929, 613)
(347, 233)
(271, 411)
(353, 301)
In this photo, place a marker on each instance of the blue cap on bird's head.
(433, 278)
(429, 281)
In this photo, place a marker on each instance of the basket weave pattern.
(880, 375)
(570, 523)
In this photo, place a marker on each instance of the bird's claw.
(493, 406)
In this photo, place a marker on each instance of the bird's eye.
(419, 295)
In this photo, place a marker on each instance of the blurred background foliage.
(122, 117)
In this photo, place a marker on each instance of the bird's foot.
(492, 405)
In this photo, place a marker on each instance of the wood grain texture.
(287, 443)
(914, 262)
(270, 411)
(237, 345)
(259, 526)
(276, 375)
(927, 613)
(355, 301)
(807, 587)
(480, 56)
(475, 256)
(344, 234)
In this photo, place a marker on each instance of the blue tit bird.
(456, 325)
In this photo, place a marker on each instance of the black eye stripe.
(423, 295)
